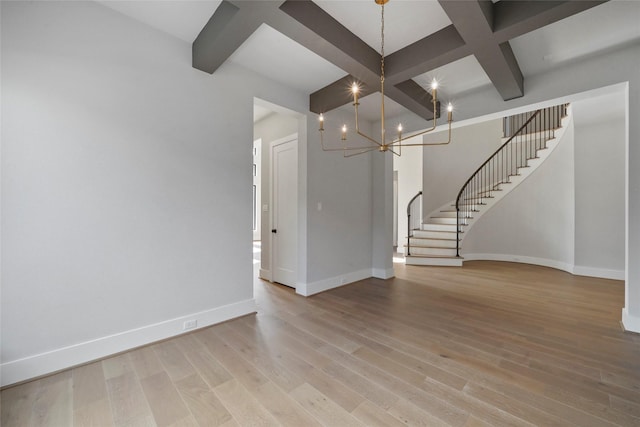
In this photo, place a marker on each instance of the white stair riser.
(448, 262)
(439, 227)
(441, 220)
(433, 251)
(432, 243)
(423, 234)
(448, 214)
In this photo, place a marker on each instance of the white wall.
(126, 189)
(600, 184)
(126, 186)
(447, 167)
(339, 202)
(409, 168)
(535, 221)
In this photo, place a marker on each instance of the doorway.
(284, 212)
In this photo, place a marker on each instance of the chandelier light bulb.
(400, 128)
(450, 113)
(449, 107)
(354, 88)
(321, 118)
(434, 84)
(344, 132)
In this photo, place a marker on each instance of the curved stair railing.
(414, 217)
(532, 131)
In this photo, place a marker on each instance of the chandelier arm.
(341, 148)
(382, 145)
(360, 152)
(431, 129)
(395, 141)
(394, 153)
(422, 144)
(355, 105)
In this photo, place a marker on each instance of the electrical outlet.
(189, 324)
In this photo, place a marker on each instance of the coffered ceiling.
(318, 47)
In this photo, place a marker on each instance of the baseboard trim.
(601, 273)
(308, 289)
(521, 259)
(56, 360)
(629, 322)
(578, 270)
(383, 273)
(265, 274)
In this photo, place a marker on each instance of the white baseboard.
(308, 289)
(518, 258)
(383, 273)
(630, 323)
(577, 270)
(63, 358)
(265, 274)
(601, 273)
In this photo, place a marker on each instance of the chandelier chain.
(382, 45)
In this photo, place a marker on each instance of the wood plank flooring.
(489, 344)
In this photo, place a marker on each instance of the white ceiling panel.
(181, 18)
(406, 21)
(455, 78)
(272, 54)
(588, 33)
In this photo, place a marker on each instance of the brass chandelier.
(395, 145)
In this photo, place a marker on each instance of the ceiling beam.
(480, 28)
(366, 61)
(232, 23)
(474, 22)
(433, 51)
(348, 52)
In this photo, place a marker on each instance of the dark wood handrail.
(494, 154)
(462, 189)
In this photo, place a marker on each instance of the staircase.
(528, 140)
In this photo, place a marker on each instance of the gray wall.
(126, 188)
(341, 230)
(534, 222)
(600, 183)
(447, 167)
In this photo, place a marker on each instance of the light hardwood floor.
(487, 344)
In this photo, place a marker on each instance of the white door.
(284, 220)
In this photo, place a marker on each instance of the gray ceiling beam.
(479, 27)
(503, 21)
(365, 60)
(412, 94)
(344, 49)
(433, 51)
(231, 24)
(474, 21)
(337, 94)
